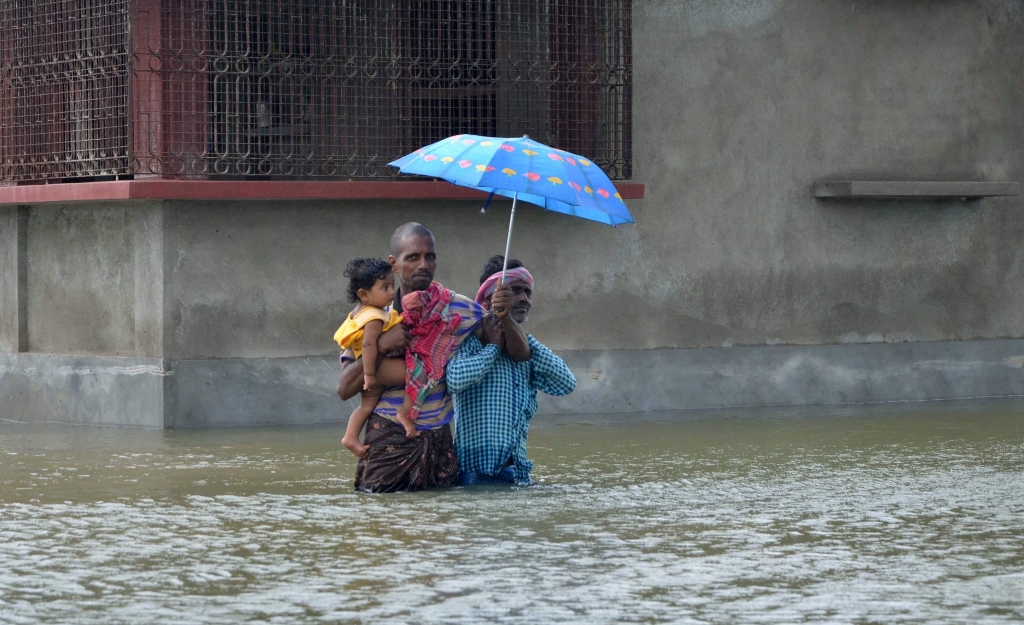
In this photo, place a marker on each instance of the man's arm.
(390, 371)
(516, 344)
(470, 364)
(548, 372)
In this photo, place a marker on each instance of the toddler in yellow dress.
(372, 288)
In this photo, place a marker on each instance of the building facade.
(824, 193)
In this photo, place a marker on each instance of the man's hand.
(390, 372)
(502, 300)
(391, 343)
(395, 340)
(491, 332)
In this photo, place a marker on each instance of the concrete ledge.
(91, 390)
(854, 189)
(672, 379)
(157, 189)
(271, 391)
(293, 391)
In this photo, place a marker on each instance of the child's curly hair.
(363, 273)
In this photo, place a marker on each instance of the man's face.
(522, 302)
(415, 264)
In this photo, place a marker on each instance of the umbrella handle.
(508, 242)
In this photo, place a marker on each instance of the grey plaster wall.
(262, 279)
(666, 379)
(8, 279)
(255, 391)
(741, 104)
(81, 282)
(88, 390)
(234, 392)
(265, 279)
(149, 267)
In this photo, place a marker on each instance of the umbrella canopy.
(521, 168)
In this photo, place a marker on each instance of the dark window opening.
(303, 89)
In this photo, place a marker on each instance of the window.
(63, 89)
(310, 89)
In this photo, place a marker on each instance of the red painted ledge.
(252, 190)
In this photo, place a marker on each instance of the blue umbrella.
(522, 169)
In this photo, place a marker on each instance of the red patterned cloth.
(433, 327)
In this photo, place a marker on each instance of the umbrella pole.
(508, 242)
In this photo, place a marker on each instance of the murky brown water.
(884, 514)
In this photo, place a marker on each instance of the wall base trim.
(86, 390)
(148, 392)
(735, 377)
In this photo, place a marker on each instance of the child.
(372, 287)
(433, 327)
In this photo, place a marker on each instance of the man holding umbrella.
(394, 461)
(515, 167)
(495, 396)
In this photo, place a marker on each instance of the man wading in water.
(394, 461)
(496, 397)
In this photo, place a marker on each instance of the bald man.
(395, 462)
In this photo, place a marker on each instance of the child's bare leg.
(367, 402)
(403, 418)
(403, 412)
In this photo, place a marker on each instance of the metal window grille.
(303, 89)
(63, 89)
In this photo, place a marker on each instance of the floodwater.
(888, 514)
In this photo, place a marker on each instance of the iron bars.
(64, 78)
(303, 89)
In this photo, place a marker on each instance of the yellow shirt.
(350, 334)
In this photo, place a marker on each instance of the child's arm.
(390, 371)
(371, 332)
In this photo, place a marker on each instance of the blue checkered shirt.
(495, 398)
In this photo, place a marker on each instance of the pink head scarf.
(512, 275)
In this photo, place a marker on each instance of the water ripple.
(810, 519)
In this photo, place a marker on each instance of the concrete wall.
(81, 288)
(87, 390)
(254, 280)
(264, 279)
(739, 106)
(9, 279)
(82, 279)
